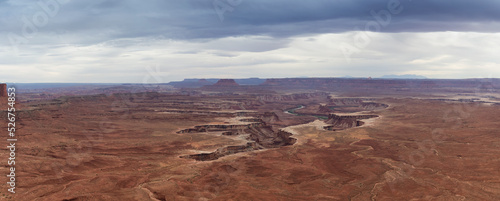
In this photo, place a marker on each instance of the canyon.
(283, 139)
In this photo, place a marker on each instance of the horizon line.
(377, 78)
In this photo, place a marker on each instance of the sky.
(157, 41)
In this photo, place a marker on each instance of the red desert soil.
(128, 147)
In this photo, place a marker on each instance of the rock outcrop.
(226, 83)
(250, 146)
(260, 136)
(269, 117)
(346, 101)
(373, 106)
(352, 103)
(268, 138)
(324, 109)
(344, 122)
(213, 128)
(290, 97)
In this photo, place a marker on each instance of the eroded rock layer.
(343, 122)
(260, 136)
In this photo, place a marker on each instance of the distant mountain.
(352, 77)
(226, 83)
(31, 86)
(195, 83)
(407, 76)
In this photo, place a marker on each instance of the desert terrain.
(284, 139)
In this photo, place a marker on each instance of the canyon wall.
(289, 97)
(344, 122)
(260, 136)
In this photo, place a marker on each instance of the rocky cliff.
(224, 151)
(226, 83)
(373, 106)
(346, 101)
(289, 97)
(343, 122)
(269, 117)
(260, 136)
(324, 109)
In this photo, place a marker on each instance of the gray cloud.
(266, 38)
(188, 19)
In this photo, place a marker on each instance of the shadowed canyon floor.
(249, 146)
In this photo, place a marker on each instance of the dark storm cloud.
(281, 17)
(118, 40)
(101, 20)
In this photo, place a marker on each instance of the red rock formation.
(250, 146)
(212, 128)
(260, 136)
(347, 101)
(269, 117)
(343, 122)
(373, 106)
(324, 109)
(226, 83)
(290, 97)
(268, 138)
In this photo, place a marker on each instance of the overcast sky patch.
(114, 41)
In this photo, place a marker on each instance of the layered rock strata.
(344, 122)
(260, 136)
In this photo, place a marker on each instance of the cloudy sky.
(168, 40)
